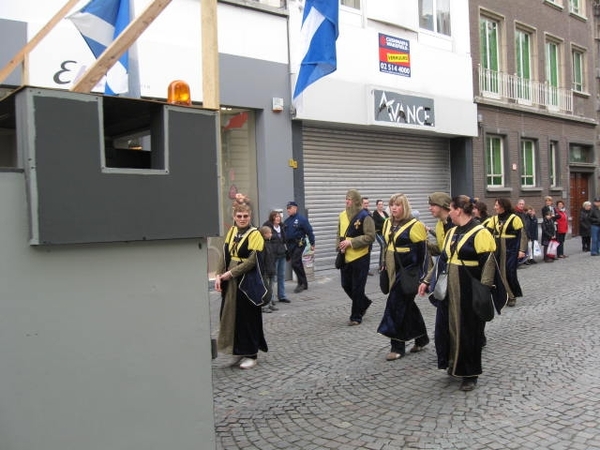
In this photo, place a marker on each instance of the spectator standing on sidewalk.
(406, 246)
(548, 233)
(268, 267)
(531, 228)
(379, 216)
(562, 227)
(356, 232)
(585, 225)
(595, 222)
(280, 251)
(549, 206)
(520, 209)
(511, 245)
(297, 229)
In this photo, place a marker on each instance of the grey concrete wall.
(13, 36)
(103, 346)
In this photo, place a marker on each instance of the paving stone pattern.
(325, 385)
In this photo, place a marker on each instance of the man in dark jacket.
(595, 221)
(297, 229)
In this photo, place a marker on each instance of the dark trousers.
(585, 243)
(595, 240)
(354, 279)
(560, 251)
(297, 266)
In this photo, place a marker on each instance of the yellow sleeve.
(256, 241)
(418, 232)
(484, 241)
(517, 223)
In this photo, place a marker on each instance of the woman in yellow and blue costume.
(241, 327)
(468, 251)
(406, 245)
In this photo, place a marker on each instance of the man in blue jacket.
(297, 229)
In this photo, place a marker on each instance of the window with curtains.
(489, 43)
(434, 15)
(578, 70)
(528, 178)
(552, 72)
(494, 161)
(523, 64)
(553, 163)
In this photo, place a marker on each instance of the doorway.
(578, 193)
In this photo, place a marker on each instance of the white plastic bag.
(537, 250)
(552, 247)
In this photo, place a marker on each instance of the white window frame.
(577, 7)
(528, 163)
(578, 76)
(553, 72)
(524, 38)
(354, 4)
(490, 62)
(441, 16)
(552, 163)
(491, 162)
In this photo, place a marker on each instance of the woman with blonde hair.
(241, 327)
(405, 259)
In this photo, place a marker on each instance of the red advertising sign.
(394, 55)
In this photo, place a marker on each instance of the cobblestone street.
(325, 385)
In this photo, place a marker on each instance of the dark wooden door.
(578, 193)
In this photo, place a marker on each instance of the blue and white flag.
(100, 22)
(318, 35)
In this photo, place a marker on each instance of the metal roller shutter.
(375, 163)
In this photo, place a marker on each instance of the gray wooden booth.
(106, 205)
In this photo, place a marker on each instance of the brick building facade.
(535, 89)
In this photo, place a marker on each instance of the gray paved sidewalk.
(325, 385)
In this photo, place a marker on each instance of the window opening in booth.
(134, 137)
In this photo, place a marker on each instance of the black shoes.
(300, 288)
(419, 347)
(284, 300)
(468, 384)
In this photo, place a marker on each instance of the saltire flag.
(318, 35)
(100, 22)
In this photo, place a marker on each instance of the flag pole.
(210, 55)
(22, 54)
(119, 46)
